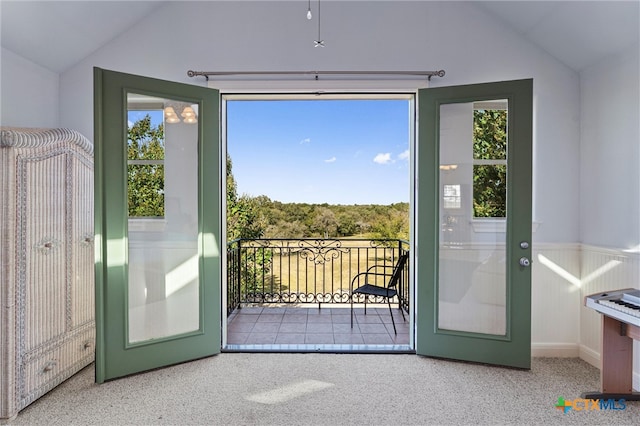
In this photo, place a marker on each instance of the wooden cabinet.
(47, 329)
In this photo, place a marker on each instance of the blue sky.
(135, 115)
(321, 151)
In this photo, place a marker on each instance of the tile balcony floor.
(292, 325)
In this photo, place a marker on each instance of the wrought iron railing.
(306, 270)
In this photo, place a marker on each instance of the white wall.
(29, 93)
(609, 187)
(610, 152)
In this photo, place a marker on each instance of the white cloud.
(330, 160)
(305, 141)
(403, 155)
(382, 158)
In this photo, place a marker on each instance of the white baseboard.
(555, 350)
(589, 355)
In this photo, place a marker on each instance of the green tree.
(489, 180)
(244, 214)
(245, 220)
(395, 226)
(145, 179)
(347, 225)
(325, 222)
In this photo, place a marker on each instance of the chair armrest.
(367, 273)
(381, 266)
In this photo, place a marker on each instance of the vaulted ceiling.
(59, 34)
(578, 33)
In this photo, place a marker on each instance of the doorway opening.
(117, 354)
(319, 190)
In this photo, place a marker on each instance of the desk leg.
(616, 361)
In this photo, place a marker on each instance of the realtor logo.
(580, 404)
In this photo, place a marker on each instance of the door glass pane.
(472, 251)
(162, 184)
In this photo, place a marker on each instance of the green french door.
(157, 223)
(474, 223)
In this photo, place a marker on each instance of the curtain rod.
(206, 74)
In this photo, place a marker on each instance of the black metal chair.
(371, 287)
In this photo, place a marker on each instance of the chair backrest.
(397, 270)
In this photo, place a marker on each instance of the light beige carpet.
(330, 389)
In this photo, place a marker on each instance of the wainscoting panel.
(555, 300)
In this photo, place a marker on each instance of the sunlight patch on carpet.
(289, 392)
